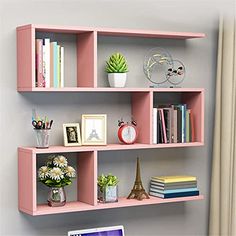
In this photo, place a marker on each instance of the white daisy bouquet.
(56, 172)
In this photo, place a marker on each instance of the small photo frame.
(94, 129)
(71, 134)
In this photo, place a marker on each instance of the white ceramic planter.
(117, 80)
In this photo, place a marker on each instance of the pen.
(50, 124)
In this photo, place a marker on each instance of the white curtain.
(223, 182)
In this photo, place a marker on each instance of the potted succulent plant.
(117, 69)
(107, 188)
(56, 174)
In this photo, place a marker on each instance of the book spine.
(55, 61)
(192, 127)
(183, 183)
(167, 119)
(154, 126)
(175, 126)
(179, 124)
(160, 137)
(52, 64)
(58, 66)
(187, 127)
(174, 179)
(170, 187)
(39, 64)
(183, 107)
(173, 195)
(163, 125)
(62, 67)
(180, 190)
(47, 62)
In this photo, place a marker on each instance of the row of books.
(173, 186)
(49, 64)
(173, 124)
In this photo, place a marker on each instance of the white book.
(154, 126)
(62, 68)
(46, 62)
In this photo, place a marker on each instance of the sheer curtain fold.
(223, 182)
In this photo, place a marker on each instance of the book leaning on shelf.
(173, 186)
(49, 64)
(173, 124)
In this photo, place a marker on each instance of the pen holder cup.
(42, 138)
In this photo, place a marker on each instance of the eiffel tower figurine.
(138, 192)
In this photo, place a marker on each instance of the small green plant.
(116, 64)
(107, 180)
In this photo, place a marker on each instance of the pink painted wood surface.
(142, 103)
(150, 33)
(195, 101)
(123, 202)
(117, 32)
(87, 60)
(57, 29)
(87, 177)
(27, 200)
(108, 89)
(25, 58)
(109, 147)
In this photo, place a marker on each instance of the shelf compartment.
(195, 101)
(86, 54)
(27, 179)
(122, 202)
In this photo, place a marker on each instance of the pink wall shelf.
(142, 102)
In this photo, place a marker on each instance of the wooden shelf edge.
(115, 31)
(70, 207)
(108, 89)
(109, 147)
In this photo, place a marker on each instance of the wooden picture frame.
(94, 129)
(72, 135)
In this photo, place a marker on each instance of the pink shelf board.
(115, 32)
(150, 33)
(109, 147)
(123, 202)
(108, 89)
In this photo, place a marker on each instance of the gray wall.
(199, 57)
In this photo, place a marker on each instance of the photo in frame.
(94, 129)
(71, 133)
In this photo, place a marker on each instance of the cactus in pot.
(117, 69)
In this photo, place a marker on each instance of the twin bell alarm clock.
(127, 132)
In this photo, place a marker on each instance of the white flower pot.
(117, 80)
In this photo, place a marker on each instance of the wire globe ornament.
(160, 69)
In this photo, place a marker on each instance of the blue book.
(55, 65)
(173, 195)
(155, 190)
(183, 108)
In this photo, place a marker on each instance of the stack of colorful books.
(173, 123)
(173, 186)
(49, 64)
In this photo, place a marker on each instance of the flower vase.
(108, 194)
(56, 197)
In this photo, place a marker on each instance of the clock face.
(129, 134)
